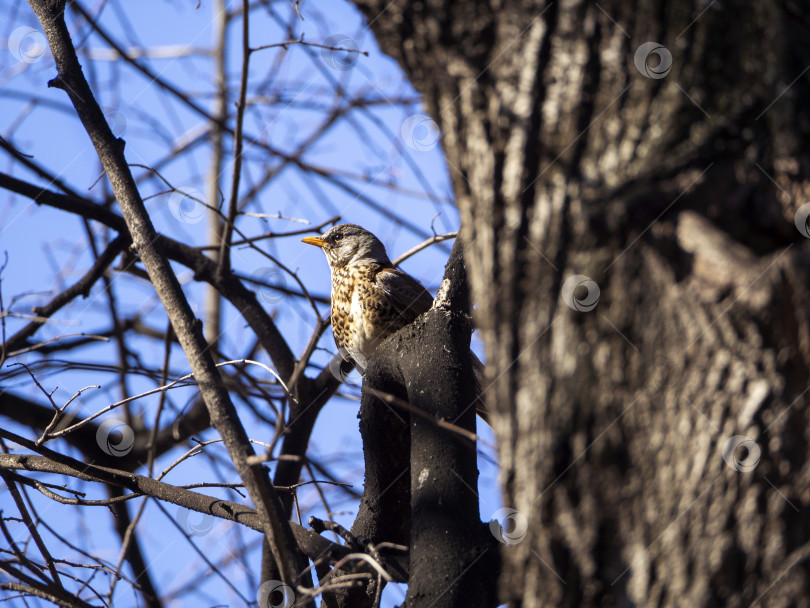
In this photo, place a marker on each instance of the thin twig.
(393, 400)
(302, 42)
(424, 245)
(43, 549)
(224, 260)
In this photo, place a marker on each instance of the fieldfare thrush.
(371, 298)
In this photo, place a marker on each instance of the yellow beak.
(313, 240)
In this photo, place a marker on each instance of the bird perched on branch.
(371, 298)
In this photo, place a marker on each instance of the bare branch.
(81, 287)
(310, 543)
(110, 150)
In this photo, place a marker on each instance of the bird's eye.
(338, 236)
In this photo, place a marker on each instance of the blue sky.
(392, 179)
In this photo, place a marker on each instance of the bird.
(371, 298)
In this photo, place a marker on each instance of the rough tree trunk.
(675, 194)
(421, 477)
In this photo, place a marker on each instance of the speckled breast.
(361, 315)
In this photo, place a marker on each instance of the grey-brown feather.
(406, 293)
(372, 299)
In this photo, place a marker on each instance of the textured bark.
(454, 558)
(384, 513)
(421, 478)
(677, 196)
(188, 329)
(312, 544)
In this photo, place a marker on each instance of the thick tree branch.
(204, 268)
(81, 287)
(454, 558)
(310, 543)
(37, 589)
(36, 416)
(56, 581)
(134, 555)
(221, 409)
(312, 395)
(416, 466)
(254, 138)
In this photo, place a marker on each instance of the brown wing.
(405, 293)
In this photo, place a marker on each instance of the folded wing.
(405, 293)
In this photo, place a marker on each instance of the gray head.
(349, 244)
